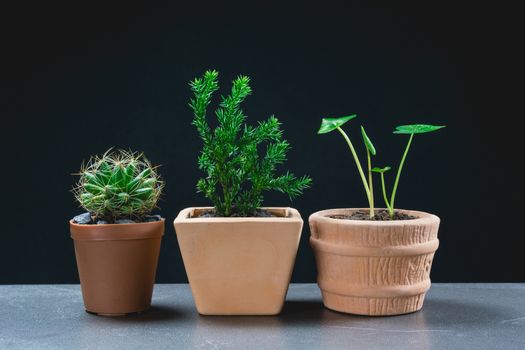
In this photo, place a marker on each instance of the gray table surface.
(455, 316)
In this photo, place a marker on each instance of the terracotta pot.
(117, 265)
(239, 266)
(373, 267)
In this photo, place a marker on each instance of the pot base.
(373, 306)
(125, 314)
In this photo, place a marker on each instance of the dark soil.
(87, 219)
(379, 216)
(259, 213)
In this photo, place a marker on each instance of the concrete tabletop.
(455, 316)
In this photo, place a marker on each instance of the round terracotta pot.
(373, 267)
(117, 265)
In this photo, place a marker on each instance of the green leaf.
(330, 124)
(417, 128)
(381, 170)
(367, 141)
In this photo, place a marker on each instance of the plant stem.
(394, 189)
(363, 178)
(226, 210)
(389, 207)
(371, 188)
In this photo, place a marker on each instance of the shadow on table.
(466, 314)
(435, 313)
(294, 313)
(305, 310)
(157, 313)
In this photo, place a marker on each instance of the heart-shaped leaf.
(381, 170)
(417, 128)
(367, 141)
(330, 124)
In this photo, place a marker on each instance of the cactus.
(118, 185)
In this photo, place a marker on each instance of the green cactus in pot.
(118, 185)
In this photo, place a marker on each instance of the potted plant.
(117, 242)
(237, 254)
(374, 261)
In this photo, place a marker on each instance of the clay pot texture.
(373, 267)
(239, 265)
(117, 265)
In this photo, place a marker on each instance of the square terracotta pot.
(239, 266)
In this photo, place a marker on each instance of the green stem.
(227, 200)
(389, 207)
(394, 189)
(363, 178)
(371, 189)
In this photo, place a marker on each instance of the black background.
(78, 78)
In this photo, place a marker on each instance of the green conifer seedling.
(236, 174)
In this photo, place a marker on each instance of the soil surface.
(381, 215)
(87, 219)
(259, 213)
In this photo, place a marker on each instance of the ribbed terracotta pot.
(117, 265)
(373, 267)
(239, 266)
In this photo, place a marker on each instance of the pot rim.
(101, 225)
(117, 232)
(421, 218)
(292, 215)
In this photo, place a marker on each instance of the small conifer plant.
(238, 168)
(331, 124)
(118, 185)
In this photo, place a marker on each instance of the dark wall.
(77, 80)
